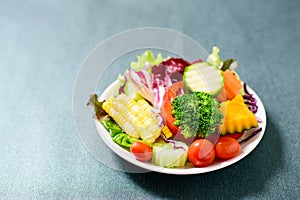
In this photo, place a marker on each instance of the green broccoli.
(196, 113)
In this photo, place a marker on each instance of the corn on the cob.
(135, 118)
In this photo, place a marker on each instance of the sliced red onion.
(155, 110)
(252, 135)
(160, 120)
(122, 88)
(259, 120)
(173, 142)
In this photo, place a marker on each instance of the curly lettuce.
(147, 58)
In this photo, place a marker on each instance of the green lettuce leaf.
(97, 107)
(146, 57)
(229, 64)
(214, 58)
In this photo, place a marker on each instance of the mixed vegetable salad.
(176, 113)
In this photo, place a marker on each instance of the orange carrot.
(232, 86)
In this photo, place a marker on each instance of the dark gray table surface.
(43, 43)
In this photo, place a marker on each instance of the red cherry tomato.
(166, 109)
(227, 147)
(201, 153)
(141, 151)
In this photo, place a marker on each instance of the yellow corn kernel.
(166, 131)
(145, 105)
(135, 118)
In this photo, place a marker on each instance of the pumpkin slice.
(237, 116)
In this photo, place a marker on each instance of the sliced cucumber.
(202, 77)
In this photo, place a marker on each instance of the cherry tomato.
(141, 151)
(166, 109)
(201, 153)
(227, 147)
(235, 135)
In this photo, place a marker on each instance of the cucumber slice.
(202, 77)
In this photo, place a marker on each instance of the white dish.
(246, 147)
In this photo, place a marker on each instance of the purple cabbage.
(250, 100)
(153, 85)
(143, 81)
(170, 71)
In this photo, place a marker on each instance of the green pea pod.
(112, 127)
(114, 132)
(109, 124)
(124, 140)
(132, 140)
(106, 124)
(118, 138)
(117, 134)
(127, 141)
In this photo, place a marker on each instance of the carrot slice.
(232, 86)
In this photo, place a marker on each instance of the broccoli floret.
(196, 113)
